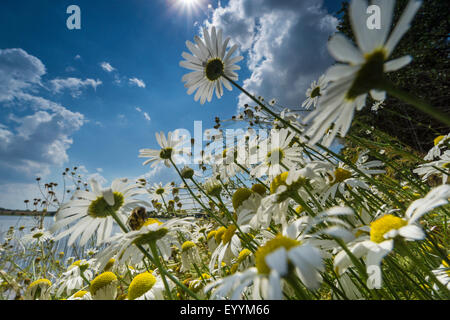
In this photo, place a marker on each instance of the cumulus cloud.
(32, 144)
(74, 85)
(137, 82)
(18, 71)
(107, 67)
(285, 42)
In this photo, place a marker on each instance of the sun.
(188, 3)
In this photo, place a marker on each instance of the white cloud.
(77, 57)
(18, 71)
(107, 67)
(137, 82)
(36, 142)
(145, 114)
(285, 42)
(74, 85)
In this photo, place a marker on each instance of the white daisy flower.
(37, 236)
(189, 256)
(74, 277)
(170, 149)
(211, 64)
(314, 92)
(439, 167)
(81, 295)
(122, 246)
(439, 143)
(277, 152)
(39, 290)
(442, 275)
(104, 286)
(147, 286)
(365, 69)
(386, 228)
(158, 190)
(91, 211)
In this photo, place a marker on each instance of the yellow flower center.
(315, 92)
(371, 74)
(275, 156)
(141, 284)
(165, 153)
(80, 294)
(109, 264)
(239, 196)
(101, 281)
(219, 234)
(278, 181)
(37, 235)
(228, 234)
(159, 191)
(99, 208)
(150, 221)
(211, 234)
(187, 245)
(259, 188)
(341, 175)
(271, 246)
(380, 227)
(438, 139)
(214, 69)
(243, 255)
(41, 282)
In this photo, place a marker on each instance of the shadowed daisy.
(362, 70)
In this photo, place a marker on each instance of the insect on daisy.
(211, 65)
(92, 211)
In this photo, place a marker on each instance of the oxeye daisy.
(123, 246)
(276, 153)
(81, 295)
(211, 65)
(75, 277)
(170, 149)
(39, 290)
(229, 246)
(314, 92)
(37, 236)
(146, 286)
(440, 143)
(92, 211)
(189, 256)
(385, 229)
(158, 190)
(439, 167)
(104, 286)
(365, 70)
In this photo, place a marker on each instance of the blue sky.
(60, 108)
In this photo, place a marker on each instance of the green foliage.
(426, 77)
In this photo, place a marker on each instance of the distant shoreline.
(25, 213)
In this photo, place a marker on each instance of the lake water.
(17, 221)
